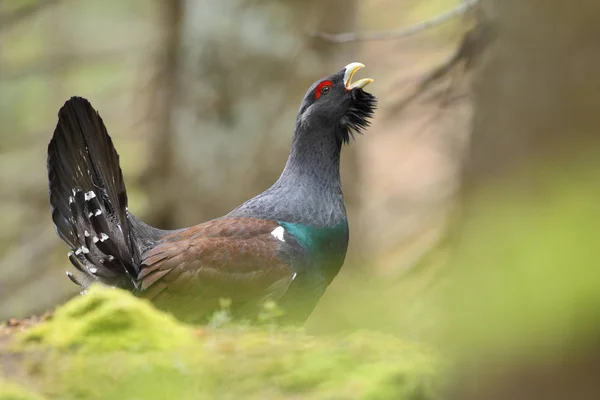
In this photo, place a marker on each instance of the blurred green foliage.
(10, 391)
(524, 271)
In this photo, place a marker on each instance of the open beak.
(350, 71)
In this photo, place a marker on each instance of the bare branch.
(397, 34)
(472, 46)
(9, 19)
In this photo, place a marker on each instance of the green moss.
(109, 344)
(10, 391)
(108, 319)
(252, 364)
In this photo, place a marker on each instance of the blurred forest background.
(200, 98)
(474, 196)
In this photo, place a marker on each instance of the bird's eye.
(323, 88)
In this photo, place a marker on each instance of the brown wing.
(236, 258)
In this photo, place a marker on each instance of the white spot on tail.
(294, 276)
(84, 250)
(95, 213)
(278, 233)
(93, 270)
(86, 233)
(102, 238)
(89, 195)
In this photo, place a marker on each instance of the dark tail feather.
(88, 198)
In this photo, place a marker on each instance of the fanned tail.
(88, 198)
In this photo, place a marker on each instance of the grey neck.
(314, 159)
(309, 189)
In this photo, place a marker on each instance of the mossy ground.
(110, 345)
(106, 319)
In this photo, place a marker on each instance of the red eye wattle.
(323, 88)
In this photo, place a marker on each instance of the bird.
(285, 245)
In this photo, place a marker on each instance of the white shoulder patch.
(278, 233)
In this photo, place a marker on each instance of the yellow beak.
(350, 71)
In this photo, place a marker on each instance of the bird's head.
(337, 101)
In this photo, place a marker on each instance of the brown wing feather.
(233, 258)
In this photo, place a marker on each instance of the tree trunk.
(162, 170)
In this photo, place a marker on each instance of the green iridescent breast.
(321, 243)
